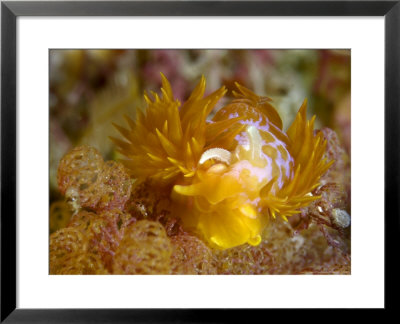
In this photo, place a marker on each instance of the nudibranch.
(228, 175)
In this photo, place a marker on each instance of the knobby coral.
(228, 175)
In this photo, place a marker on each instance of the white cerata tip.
(218, 154)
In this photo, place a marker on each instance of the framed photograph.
(163, 158)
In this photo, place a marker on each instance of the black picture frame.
(11, 10)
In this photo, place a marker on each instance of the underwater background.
(91, 89)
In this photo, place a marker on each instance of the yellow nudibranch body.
(229, 175)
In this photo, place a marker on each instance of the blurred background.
(90, 89)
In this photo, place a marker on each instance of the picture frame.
(11, 10)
